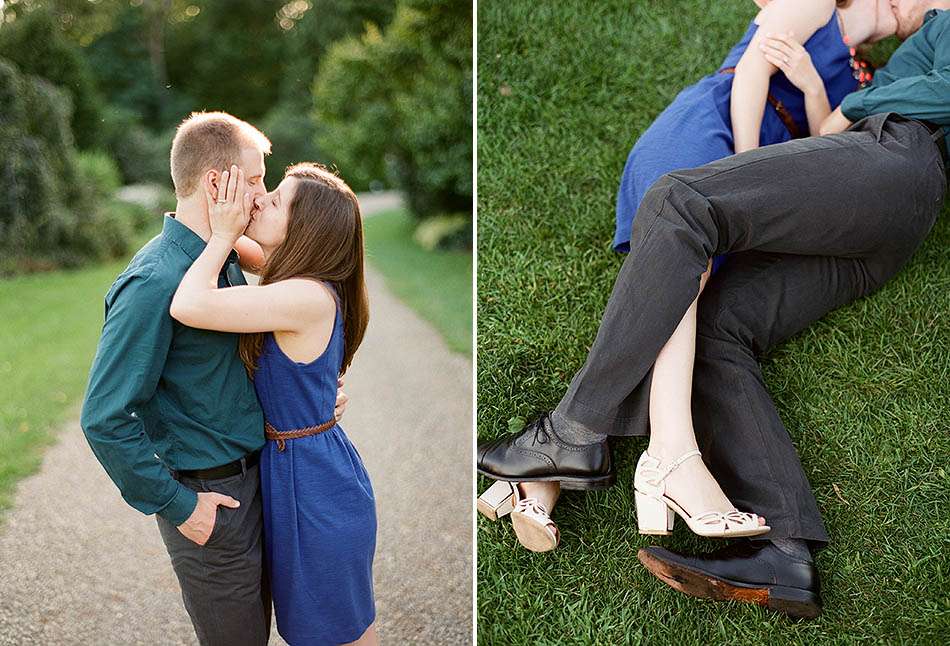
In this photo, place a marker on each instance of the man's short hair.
(207, 140)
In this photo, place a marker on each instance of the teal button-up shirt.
(160, 388)
(915, 82)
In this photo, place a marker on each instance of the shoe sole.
(534, 536)
(573, 483)
(794, 602)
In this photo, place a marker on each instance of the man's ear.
(209, 182)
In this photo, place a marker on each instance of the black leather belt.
(225, 470)
(939, 134)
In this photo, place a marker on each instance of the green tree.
(57, 208)
(226, 55)
(36, 45)
(309, 32)
(396, 104)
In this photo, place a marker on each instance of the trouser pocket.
(234, 527)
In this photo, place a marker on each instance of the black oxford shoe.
(749, 571)
(537, 454)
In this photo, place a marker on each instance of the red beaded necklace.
(862, 71)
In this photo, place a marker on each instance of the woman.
(302, 326)
(744, 105)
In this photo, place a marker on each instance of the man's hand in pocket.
(200, 524)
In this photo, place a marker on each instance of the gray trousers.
(809, 225)
(224, 582)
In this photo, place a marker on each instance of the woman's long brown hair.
(324, 242)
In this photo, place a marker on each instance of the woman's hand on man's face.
(230, 213)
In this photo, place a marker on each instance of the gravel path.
(79, 566)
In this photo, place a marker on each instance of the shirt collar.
(189, 241)
(931, 14)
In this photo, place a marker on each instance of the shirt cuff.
(852, 107)
(180, 507)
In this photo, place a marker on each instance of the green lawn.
(564, 90)
(50, 323)
(436, 284)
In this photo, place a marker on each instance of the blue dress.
(319, 506)
(697, 128)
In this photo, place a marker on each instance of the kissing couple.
(741, 231)
(215, 405)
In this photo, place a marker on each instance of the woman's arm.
(289, 305)
(834, 123)
(817, 108)
(251, 255)
(788, 55)
(751, 84)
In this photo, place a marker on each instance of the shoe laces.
(540, 432)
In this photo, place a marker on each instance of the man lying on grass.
(809, 225)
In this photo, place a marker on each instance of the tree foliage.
(56, 208)
(111, 79)
(37, 46)
(290, 124)
(396, 104)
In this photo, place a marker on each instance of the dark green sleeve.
(926, 96)
(135, 340)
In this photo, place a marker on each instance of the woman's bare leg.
(671, 419)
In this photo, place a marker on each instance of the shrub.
(99, 172)
(142, 156)
(108, 230)
(398, 105)
(450, 231)
(35, 44)
(56, 208)
(292, 133)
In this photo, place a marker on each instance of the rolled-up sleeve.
(134, 344)
(925, 96)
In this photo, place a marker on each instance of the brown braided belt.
(272, 433)
(782, 111)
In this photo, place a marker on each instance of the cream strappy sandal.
(533, 526)
(531, 521)
(656, 511)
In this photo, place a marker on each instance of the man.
(169, 410)
(810, 225)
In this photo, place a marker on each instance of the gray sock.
(794, 547)
(572, 432)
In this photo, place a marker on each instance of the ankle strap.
(680, 460)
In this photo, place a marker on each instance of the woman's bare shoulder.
(309, 292)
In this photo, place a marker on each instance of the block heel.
(649, 483)
(497, 501)
(654, 517)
